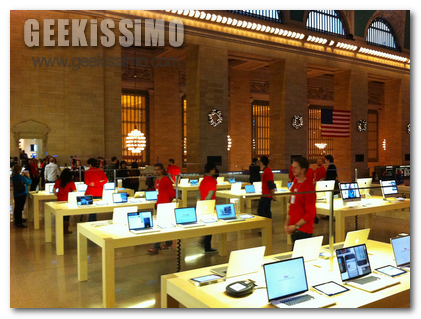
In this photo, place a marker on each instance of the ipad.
(390, 271)
(330, 288)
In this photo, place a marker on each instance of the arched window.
(325, 21)
(380, 34)
(268, 15)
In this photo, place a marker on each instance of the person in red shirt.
(299, 222)
(34, 173)
(320, 172)
(95, 178)
(268, 189)
(62, 187)
(173, 170)
(166, 194)
(207, 190)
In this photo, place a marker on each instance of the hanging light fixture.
(135, 140)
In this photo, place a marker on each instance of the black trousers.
(207, 242)
(299, 235)
(17, 212)
(264, 207)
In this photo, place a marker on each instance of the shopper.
(123, 173)
(299, 222)
(254, 171)
(20, 181)
(78, 171)
(173, 171)
(95, 178)
(268, 189)
(166, 194)
(52, 171)
(207, 190)
(331, 173)
(111, 169)
(62, 187)
(320, 172)
(33, 163)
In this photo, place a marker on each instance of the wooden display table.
(34, 200)
(185, 189)
(60, 209)
(341, 212)
(176, 290)
(111, 237)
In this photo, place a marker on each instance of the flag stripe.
(336, 125)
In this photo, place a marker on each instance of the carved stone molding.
(136, 74)
(320, 93)
(259, 86)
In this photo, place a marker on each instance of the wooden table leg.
(82, 257)
(222, 247)
(36, 212)
(108, 275)
(59, 234)
(267, 238)
(47, 224)
(339, 227)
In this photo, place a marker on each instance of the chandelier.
(136, 141)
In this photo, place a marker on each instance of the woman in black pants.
(20, 182)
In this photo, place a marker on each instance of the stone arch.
(30, 129)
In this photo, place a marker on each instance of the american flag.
(335, 123)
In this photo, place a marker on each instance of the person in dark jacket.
(21, 181)
(254, 170)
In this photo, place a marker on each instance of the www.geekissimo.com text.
(76, 63)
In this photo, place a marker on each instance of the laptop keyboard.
(297, 300)
(366, 280)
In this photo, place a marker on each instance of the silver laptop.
(355, 270)
(186, 217)
(226, 213)
(141, 223)
(287, 287)
(84, 201)
(151, 195)
(120, 214)
(109, 186)
(402, 251)
(241, 262)
(308, 248)
(205, 207)
(165, 215)
(81, 187)
(353, 238)
(120, 198)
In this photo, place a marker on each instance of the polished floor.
(41, 279)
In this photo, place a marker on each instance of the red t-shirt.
(165, 190)
(303, 206)
(266, 177)
(63, 193)
(97, 176)
(173, 171)
(207, 185)
(320, 173)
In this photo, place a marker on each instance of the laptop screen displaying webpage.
(353, 262)
(389, 188)
(402, 250)
(350, 192)
(140, 220)
(225, 211)
(231, 180)
(194, 182)
(151, 195)
(84, 200)
(81, 187)
(119, 198)
(285, 278)
(109, 186)
(185, 215)
(250, 189)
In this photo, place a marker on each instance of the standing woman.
(20, 182)
(62, 187)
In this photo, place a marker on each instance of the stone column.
(206, 89)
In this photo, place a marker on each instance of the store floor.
(41, 279)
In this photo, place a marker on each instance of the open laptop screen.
(350, 192)
(84, 200)
(250, 189)
(151, 195)
(185, 215)
(353, 262)
(389, 188)
(139, 220)
(402, 250)
(285, 278)
(225, 211)
(194, 182)
(119, 198)
(231, 180)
